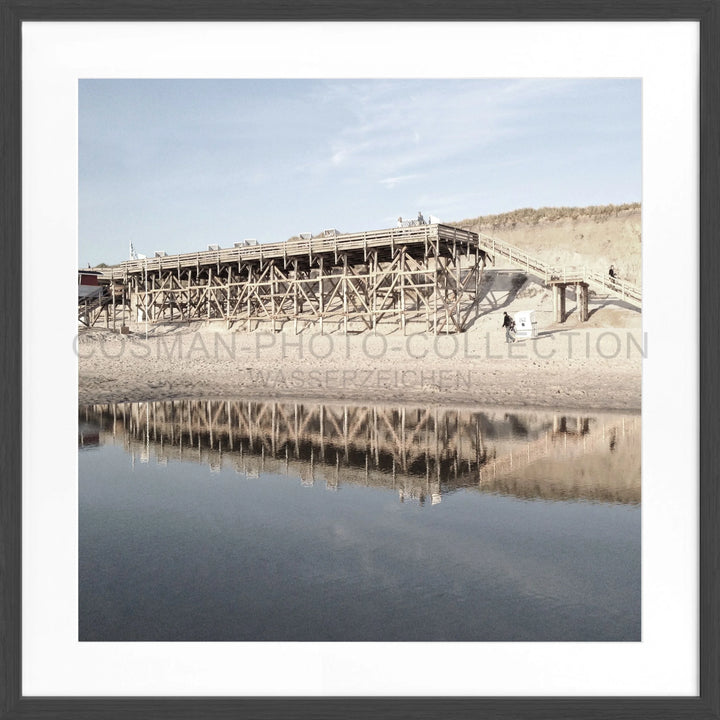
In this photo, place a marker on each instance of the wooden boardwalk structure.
(423, 274)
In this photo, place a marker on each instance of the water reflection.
(421, 453)
(226, 543)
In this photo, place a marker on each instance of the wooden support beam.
(583, 292)
(321, 291)
(295, 295)
(345, 295)
(403, 272)
(435, 294)
(559, 302)
(458, 289)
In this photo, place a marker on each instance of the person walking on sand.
(508, 324)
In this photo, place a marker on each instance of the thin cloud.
(391, 182)
(339, 156)
(406, 126)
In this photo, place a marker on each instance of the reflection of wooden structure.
(427, 273)
(417, 451)
(569, 436)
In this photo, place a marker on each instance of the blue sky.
(176, 165)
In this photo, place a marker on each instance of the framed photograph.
(390, 389)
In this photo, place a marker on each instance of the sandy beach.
(593, 365)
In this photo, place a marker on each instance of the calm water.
(236, 520)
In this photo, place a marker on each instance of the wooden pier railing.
(335, 244)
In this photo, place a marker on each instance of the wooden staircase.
(549, 275)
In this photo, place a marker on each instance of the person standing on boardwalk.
(509, 325)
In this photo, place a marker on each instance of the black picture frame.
(12, 703)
